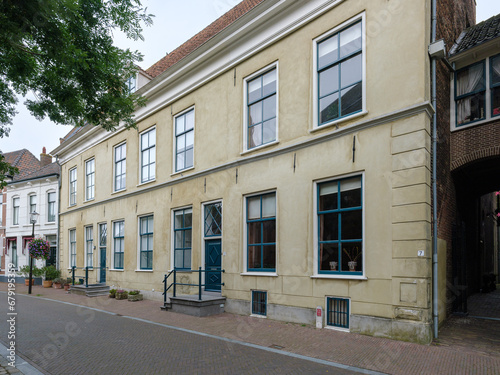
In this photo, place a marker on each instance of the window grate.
(337, 312)
(259, 303)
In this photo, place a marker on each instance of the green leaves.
(63, 51)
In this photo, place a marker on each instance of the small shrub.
(133, 293)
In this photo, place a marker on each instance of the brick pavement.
(377, 354)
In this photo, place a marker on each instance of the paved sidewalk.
(376, 354)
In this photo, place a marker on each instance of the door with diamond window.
(213, 245)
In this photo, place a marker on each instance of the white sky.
(174, 22)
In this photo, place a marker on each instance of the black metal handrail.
(175, 283)
(86, 277)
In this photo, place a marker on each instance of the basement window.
(337, 312)
(259, 303)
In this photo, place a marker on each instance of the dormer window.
(131, 84)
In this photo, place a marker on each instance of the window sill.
(116, 270)
(182, 171)
(340, 277)
(71, 206)
(143, 270)
(258, 316)
(247, 151)
(337, 328)
(474, 123)
(51, 223)
(88, 200)
(337, 122)
(146, 182)
(271, 274)
(119, 191)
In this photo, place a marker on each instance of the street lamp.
(33, 218)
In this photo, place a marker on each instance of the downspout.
(435, 303)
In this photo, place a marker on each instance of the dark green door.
(103, 235)
(213, 265)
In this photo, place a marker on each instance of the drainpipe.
(435, 303)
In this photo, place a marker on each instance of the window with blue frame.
(337, 312)
(262, 109)
(118, 244)
(148, 155)
(146, 242)
(184, 139)
(340, 226)
(259, 302)
(495, 85)
(261, 233)
(340, 74)
(182, 238)
(470, 91)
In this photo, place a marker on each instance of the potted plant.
(121, 294)
(112, 293)
(25, 272)
(134, 296)
(39, 248)
(58, 283)
(67, 284)
(50, 273)
(353, 255)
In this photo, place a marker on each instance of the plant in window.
(353, 255)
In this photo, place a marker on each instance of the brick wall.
(453, 16)
(475, 143)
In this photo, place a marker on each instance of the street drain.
(274, 346)
(119, 315)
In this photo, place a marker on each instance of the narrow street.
(66, 339)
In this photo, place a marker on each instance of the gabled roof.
(202, 37)
(23, 160)
(29, 166)
(477, 35)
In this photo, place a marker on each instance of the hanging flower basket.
(39, 248)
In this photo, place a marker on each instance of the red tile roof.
(29, 166)
(202, 37)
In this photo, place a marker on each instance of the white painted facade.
(45, 227)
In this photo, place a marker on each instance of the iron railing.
(174, 283)
(86, 277)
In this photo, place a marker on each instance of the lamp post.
(33, 218)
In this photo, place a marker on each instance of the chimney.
(45, 159)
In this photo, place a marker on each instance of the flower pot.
(47, 283)
(66, 286)
(57, 285)
(27, 282)
(333, 266)
(135, 297)
(352, 265)
(122, 295)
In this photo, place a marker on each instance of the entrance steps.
(211, 303)
(92, 290)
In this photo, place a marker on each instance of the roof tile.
(478, 34)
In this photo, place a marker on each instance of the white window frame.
(316, 273)
(262, 71)
(124, 167)
(31, 197)
(89, 228)
(72, 194)
(54, 202)
(141, 180)
(316, 41)
(325, 318)
(72, 245)
(113, 266)
(15, 218)
(90, 186)
(174, 158)
(245, 236)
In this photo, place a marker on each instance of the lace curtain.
(465, 84)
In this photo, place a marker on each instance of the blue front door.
(213, 265)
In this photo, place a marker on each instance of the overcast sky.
(175, 22)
